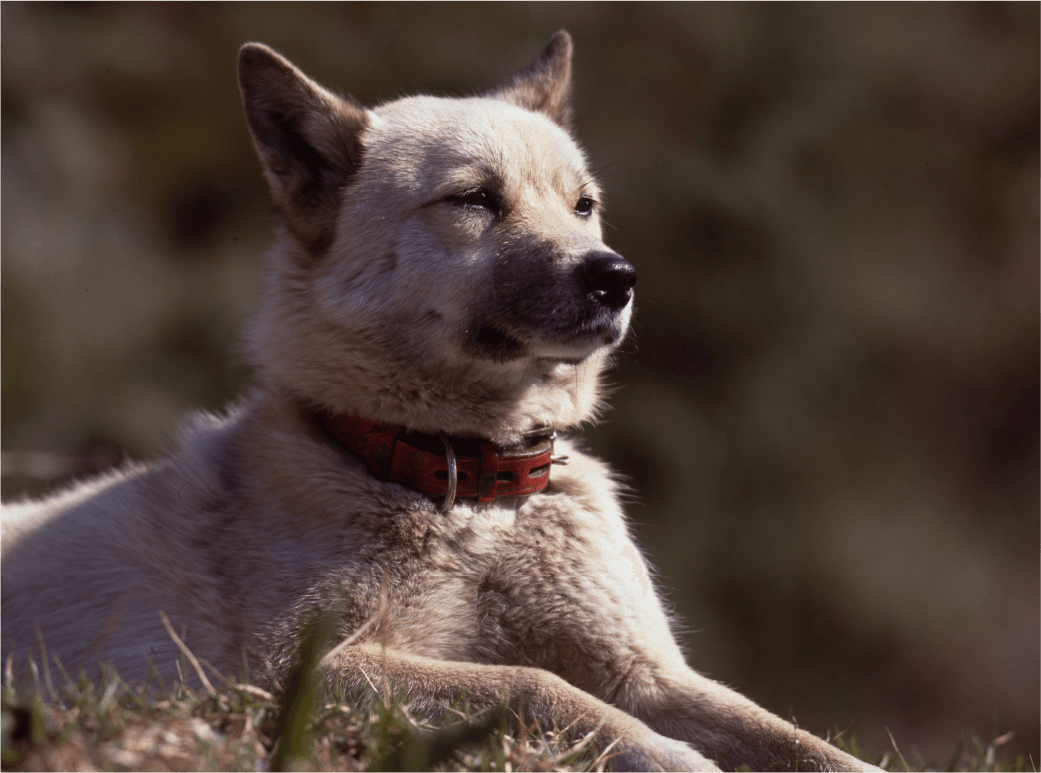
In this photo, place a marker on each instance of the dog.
(440, 304)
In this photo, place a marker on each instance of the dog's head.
(442, 264)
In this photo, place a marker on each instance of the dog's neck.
(448, 467)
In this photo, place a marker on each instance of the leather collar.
(443, 466)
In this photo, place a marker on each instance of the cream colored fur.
(433, 271)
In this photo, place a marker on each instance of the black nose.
(609, 278)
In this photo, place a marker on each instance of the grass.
(107, 724)
(53, 722)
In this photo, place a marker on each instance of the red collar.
(444, 466)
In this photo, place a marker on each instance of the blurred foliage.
(828, 410)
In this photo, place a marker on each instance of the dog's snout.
(609, 278)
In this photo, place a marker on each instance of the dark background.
(828, 408)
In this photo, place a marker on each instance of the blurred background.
(828, 409)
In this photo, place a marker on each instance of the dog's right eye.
(585, 206)
(476, 197)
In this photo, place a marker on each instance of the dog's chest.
(517, 584)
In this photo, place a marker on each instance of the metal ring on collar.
(453, 474)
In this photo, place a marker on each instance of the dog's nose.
(609, 278)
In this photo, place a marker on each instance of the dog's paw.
(659, 753)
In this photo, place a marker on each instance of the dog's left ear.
(310, 141)
(544, 86)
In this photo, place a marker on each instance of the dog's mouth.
(575, 349)
(489, 341)
(493, 341)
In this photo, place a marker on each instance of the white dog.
(441, 301)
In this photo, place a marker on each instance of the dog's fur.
(432, 271)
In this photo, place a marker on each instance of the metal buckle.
(453, 473)
(551, 434)
(541, 432)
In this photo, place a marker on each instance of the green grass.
(53, 722)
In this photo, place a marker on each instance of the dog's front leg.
(724, 725)
(431, 685)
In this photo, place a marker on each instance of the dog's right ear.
(545, 85)
(308, 139)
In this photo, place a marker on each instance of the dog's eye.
(476, 197)
(585, 206)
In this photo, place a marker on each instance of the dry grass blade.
(897, 748)
(256, 692)
(331, 654)
(188, 654)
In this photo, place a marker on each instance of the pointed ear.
(308, 139)
(545, 86)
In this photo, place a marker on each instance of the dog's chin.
(575, 349)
